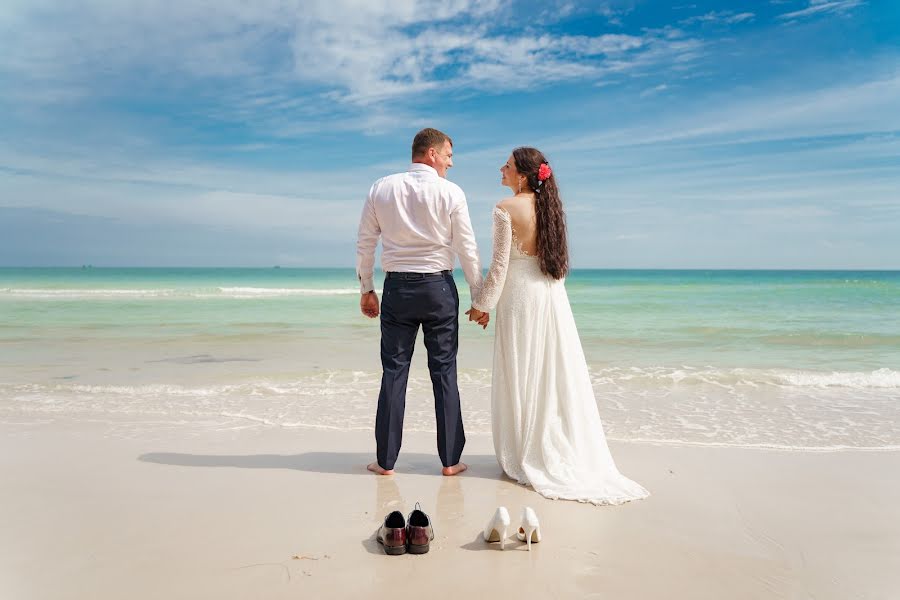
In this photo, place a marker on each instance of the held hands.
(481, 318)
(368, 304)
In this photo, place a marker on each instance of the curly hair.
(552, 243)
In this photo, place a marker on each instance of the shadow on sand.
(343, 463)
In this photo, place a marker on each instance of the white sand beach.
(278, 513)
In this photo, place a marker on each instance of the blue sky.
(684, 135)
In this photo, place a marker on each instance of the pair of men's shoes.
(529, 531)
(399, 535)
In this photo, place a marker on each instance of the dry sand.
(273, 513)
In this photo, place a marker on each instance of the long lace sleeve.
(496, 277)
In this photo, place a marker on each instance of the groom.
(423, 222)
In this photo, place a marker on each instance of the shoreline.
(677, 414)
(260, 427)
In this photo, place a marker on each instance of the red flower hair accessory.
(544, 172)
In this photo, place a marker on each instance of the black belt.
(415, 276)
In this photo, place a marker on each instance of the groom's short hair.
(428, 138)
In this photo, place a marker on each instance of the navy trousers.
(410, 300)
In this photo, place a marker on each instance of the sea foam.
(746, 408)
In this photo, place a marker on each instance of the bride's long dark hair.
(552, 245)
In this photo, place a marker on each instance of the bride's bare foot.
(455, 469)
(376, 468)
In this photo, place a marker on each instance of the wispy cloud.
(720, 17)
(846, 108)
(350, 53)
(818, 7)
(654, 90)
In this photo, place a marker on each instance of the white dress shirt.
(423, 221)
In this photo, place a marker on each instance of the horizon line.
(321, 268)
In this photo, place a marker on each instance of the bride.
(547, 431)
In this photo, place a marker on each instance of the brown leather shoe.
(419, 532)
(392, 535)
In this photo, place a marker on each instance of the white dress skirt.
(546, 426)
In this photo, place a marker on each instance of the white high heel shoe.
(497, 527)
(530, 529)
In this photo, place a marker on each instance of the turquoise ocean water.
(784, 359)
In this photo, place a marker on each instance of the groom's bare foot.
(455, 469)
(376, 468)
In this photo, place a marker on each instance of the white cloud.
(846, 108)
(818, 7)
(157, 206)
(654, 90)
(267, 55)
(726, 17)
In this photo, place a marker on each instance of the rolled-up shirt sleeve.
(366, 241)
(464, 245)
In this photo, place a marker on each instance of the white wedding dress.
(547, 430)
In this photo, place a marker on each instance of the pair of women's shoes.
(498, 527)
